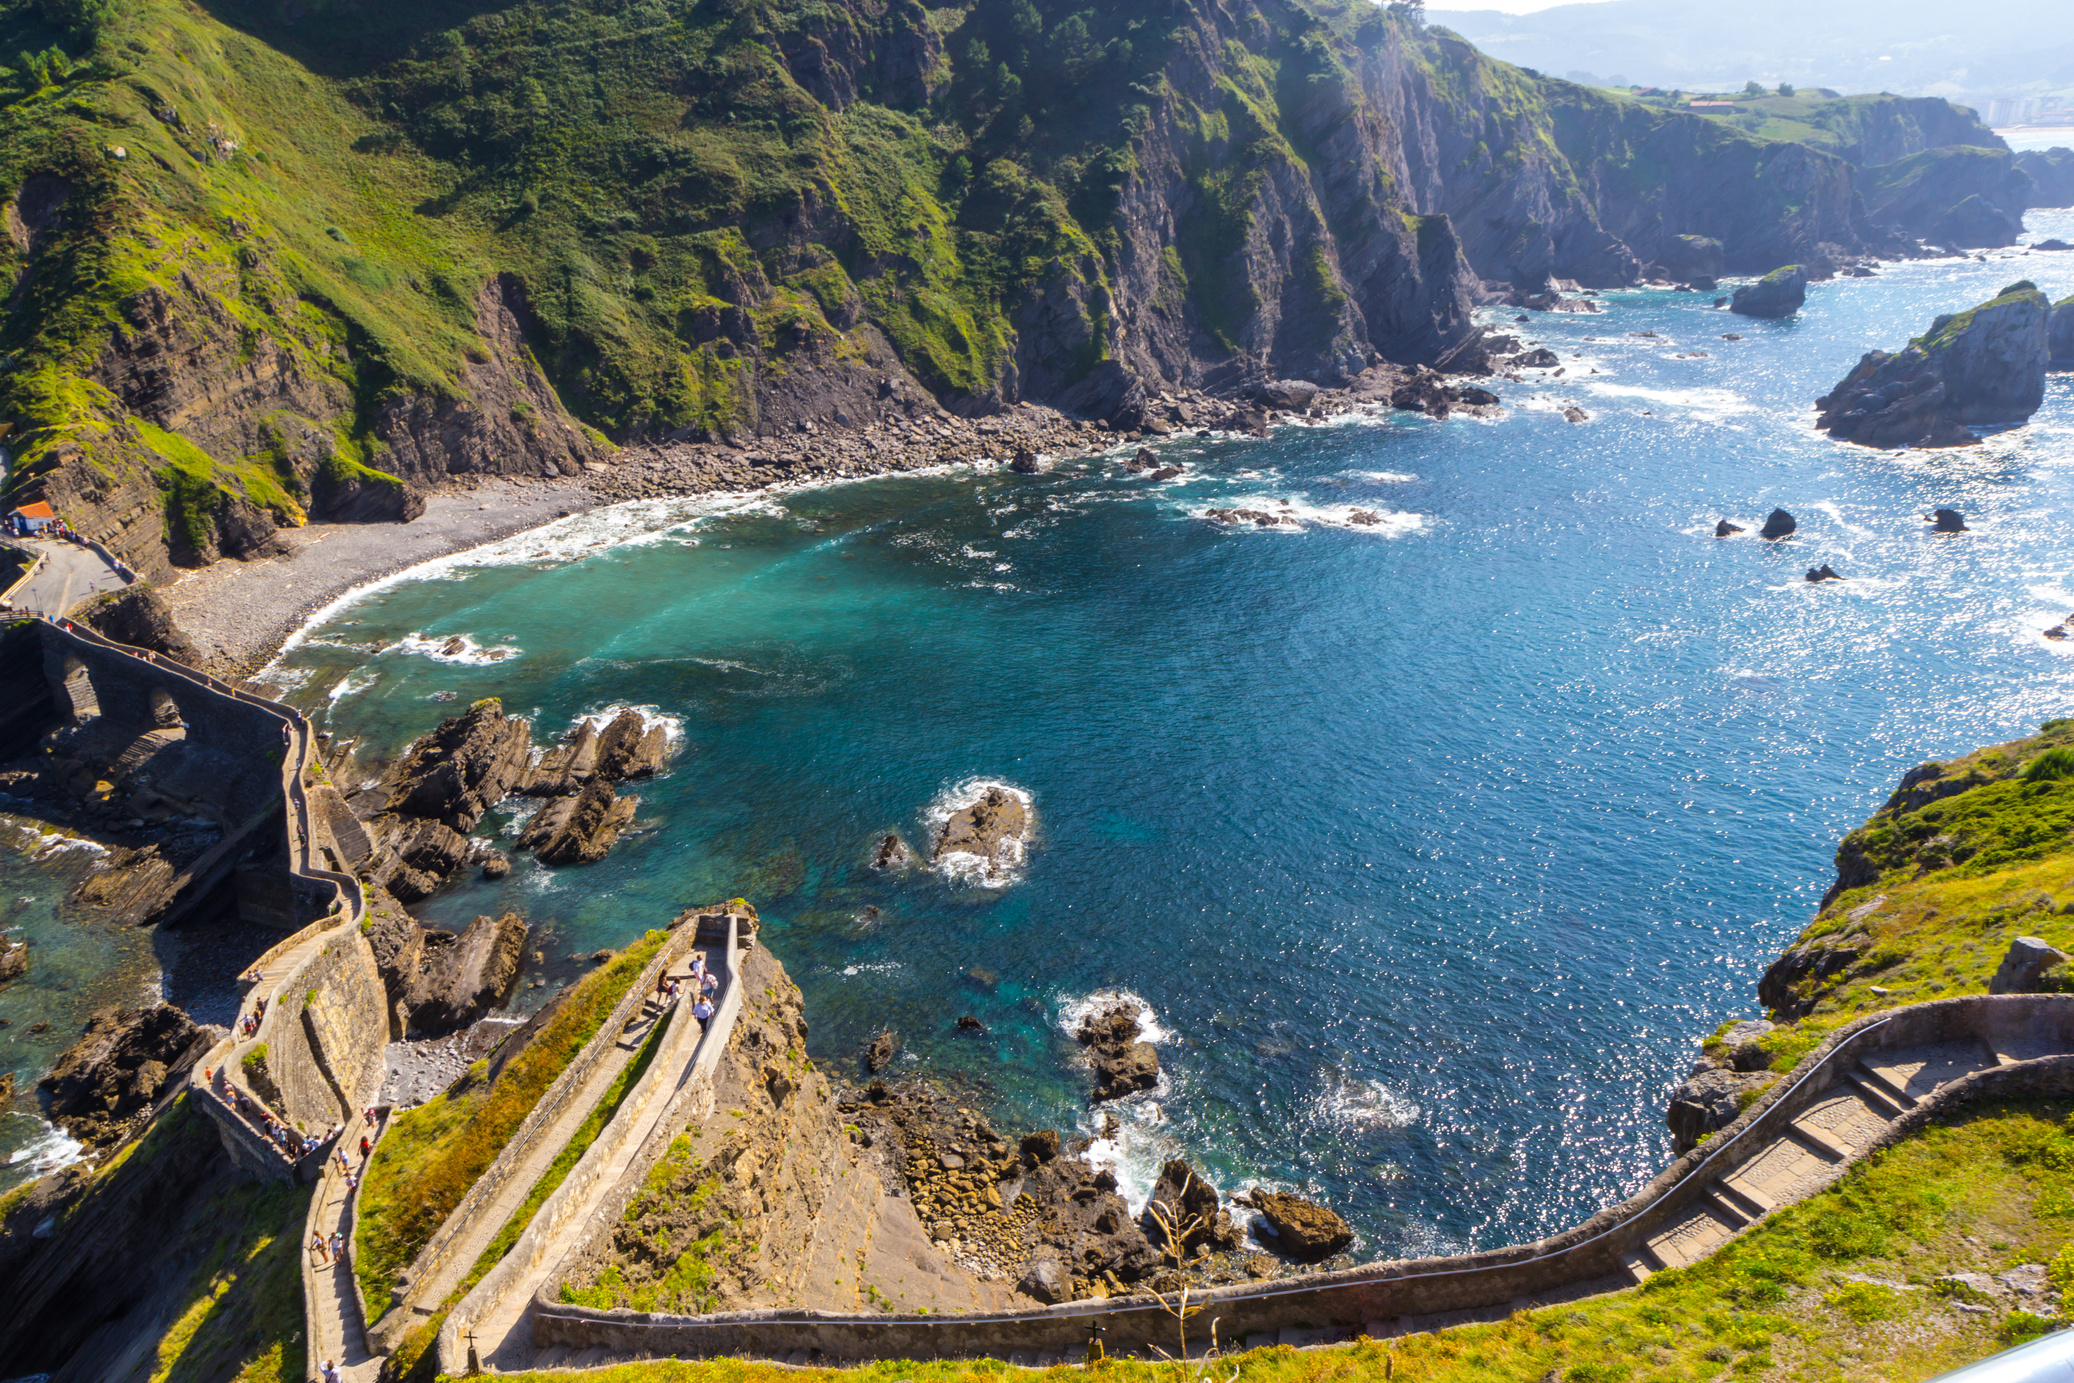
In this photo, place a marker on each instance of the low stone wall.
(681, 1075)
(1354, 1297)
(432, 1275)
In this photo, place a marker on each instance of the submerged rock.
(1777, 524)
(1253, 516)
(1781, 293)
(1981, 367)
(1725, 529)
(1303, 1230)
(1165, 473)
(892, 853)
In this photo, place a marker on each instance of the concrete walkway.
(70, 575)
(331, 1305)
(489, 1220)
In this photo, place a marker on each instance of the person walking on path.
(320, 1252)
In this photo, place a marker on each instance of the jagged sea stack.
(1778, 294)
(1981, 367)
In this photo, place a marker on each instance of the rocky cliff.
(1959, 195)
(2051, 172)
(1985, 366)
(305, 261)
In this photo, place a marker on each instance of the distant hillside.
(1970, 54)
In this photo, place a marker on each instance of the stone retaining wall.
(1352, 1298)
(325, 1055)
(435, 1266)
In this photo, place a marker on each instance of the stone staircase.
(1811, 1152)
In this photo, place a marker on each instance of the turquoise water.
(1435, 846)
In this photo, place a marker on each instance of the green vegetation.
(1966, 856)
(1843, 1285)
(431, 1155)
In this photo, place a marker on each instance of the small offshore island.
(435, 710)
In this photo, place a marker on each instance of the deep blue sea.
(1435, 846)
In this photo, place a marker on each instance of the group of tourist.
(249, 1024)
(704, 985)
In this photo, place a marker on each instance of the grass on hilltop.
(1841, 1286)
(431, 1155)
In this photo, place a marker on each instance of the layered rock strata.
(1985, 366)
(103, 1084)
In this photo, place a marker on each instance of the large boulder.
(581, 829)
(991, 829)
(2023, 963)
(108, 1079)
(1184, 1214)
(1778, 294)
(1303, 1230)
(1777, 524)
(1983, 366)
(1709, 1101)
(463, 768)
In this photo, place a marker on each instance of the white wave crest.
(651, 716)
(1074, 1012)
(1387, 477)
(1135, 1148)
(1299, 514)
(1366, 1104)
(1006, 865)
(455, 648)
(352, 684)
(49, 1151)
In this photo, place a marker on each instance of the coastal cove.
(1435, 843)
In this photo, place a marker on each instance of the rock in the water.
(14, 960)
(880, 1051)
(110, 1077)
(2052, 245)
(580, 829)
(1424, 390)
(1574, 414)
(1145, 460)
(1948, 521)
(1777, 524)
(1302, 1229)
(992, 828)
(1165, 473)
(496, 865)
(1123, 1063)
(1252, 516)
(463, 768)
(1539, 358)
(1026, 462)
(2027, 958)
(1726, 529)
(1825, 572)
(968, 1023)
(892, 853)
(1708, 1102)
(629, 747)
(1778, 294)
(1983, 366)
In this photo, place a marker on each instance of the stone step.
(1726, 1206)
(553, 1357)
(1820, 1141)
(590, 1358)
(1637, 1265)
(1880, 1090)
(1751, 1202)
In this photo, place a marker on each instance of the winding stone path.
(332, 1314)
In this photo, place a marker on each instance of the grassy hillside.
(1842, 1286)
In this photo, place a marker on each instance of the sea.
(1433, 846)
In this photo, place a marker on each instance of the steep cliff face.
(1961, 196)
(2051, 172)
(1545, 177)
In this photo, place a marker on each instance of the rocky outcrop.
(139, 617)
(1425, 391)
(1708, 1101)
(2051, 172)
(2060, 336)
(579, 829)
(1184, 1215)
(1303, 1230)
(891, 853)
(437, 981)
(880, 1051)
(1981, 367)
(463, 768)
(1956, 195)
(2024, 965)
(106, 1081)
(14, 962)
(1123, 1063)
(1777, 524)
(629, 747)
(1780, 293)
(991, 829)
(1794, 983)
